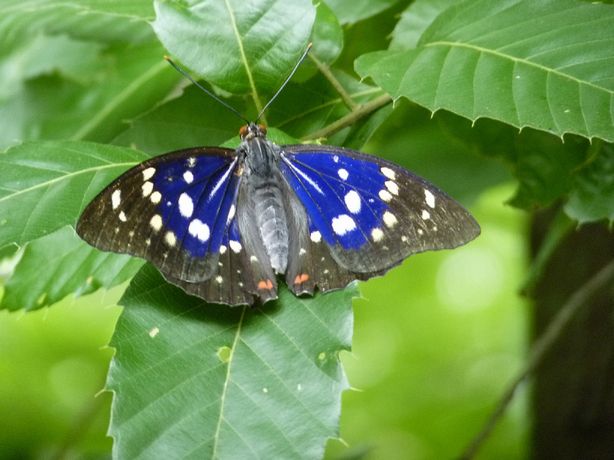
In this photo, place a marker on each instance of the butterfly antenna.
(211, 94)
(296, 66)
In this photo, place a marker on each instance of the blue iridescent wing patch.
(370, 213)
(173, 210)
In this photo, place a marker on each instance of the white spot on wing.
(148, 173)
(219, 279)
(156, 222)
(191, 161)
(235, 246)
(147, 188)
(253, 259)
(352, 201)
(390, 219)
(425, 215)
(429, 198)
(343, 224)
(420, 231)
(116, 198)
(302, 251)
(122, 216)
(343, 173)
(199, 230)
(223, 249)
(170, 238)
(389, 173)
(385, 195)
(316, 236)
(155, 197)
(336, 159)
(377, 234)
(186, 205)
(392, 187)
(188, 177)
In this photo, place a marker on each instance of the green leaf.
(109, 20)
(193, 119)
(132, 80)
(45, 185)
(304, 108)
(414, 21)
(327, 35)
(193, 380)
(543, 164)
(592, 196)
(545, 167)
(75, 59)
(71, 267)
(237, 48)
(350, 11)
(546, 65)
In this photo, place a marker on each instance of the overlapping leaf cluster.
(86, 95)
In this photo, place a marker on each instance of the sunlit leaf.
(207, 381)
(109, 20)
(547, 65)
(237, 48)
(70, 267)
(75, 59)
(592, 196)
(414, 21)
(129, 81)
(327, 35)
(45, 185)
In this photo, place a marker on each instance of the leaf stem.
(325, 70)
(539, 350)
(351, 118)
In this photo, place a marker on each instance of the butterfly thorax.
(264, 182)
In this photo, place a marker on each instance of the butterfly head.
(252, 131)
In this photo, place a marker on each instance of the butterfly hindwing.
(371, 214)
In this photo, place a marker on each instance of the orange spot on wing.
(301, 278)
(265, 284)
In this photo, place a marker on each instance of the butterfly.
(225, 224)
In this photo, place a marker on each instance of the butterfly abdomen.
(272, 222)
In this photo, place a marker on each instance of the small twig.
(539, 350)
(325, 70)
(351, 118)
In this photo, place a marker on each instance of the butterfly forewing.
(171, 210)
(370, 213)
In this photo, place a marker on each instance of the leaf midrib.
(65, 177)
(115, 102)
(248, 70)
(445, 43)
(235, 342)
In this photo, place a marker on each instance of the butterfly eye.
(243, 131)
(262, 129)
